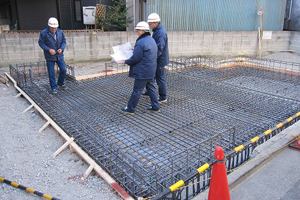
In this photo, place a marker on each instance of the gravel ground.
(26, 155)
(284, 56)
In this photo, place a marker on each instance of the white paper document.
(122, 52)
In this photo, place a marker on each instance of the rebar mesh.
(210, 102)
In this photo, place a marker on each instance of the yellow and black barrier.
(180, 183)
(27, 189)
(267, 132)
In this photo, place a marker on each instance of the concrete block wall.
(213, 43)
(86, 45)
(17, 48)
(94, 45)
(280, 42)
(295, 42)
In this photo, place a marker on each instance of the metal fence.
(211, 102)
(219, 15)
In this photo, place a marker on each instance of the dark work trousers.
(51, 73)
(161, 82)
(139, 85)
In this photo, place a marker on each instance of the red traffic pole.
(219, 189)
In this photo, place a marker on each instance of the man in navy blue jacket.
(53, 42)
(161, 38)
(142, 68)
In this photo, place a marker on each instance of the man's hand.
(121, 62)
(52, 52)
(59, 51)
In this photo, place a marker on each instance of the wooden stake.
(28, 108)
(63, 147)
(18, 95)
(88, 171)
(43, 127)
(72, 149)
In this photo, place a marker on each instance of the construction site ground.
(26, 155)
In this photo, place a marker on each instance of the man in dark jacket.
(161, 38)
(142, 68)
(53, 42)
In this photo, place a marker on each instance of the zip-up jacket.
(161, 38)
(143, 61)
(47, 42)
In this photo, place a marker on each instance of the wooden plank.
(28, 108)
(63, 147)
(43, 127)
(88, 171)
(78, 78)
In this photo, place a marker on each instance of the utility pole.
(260, 33)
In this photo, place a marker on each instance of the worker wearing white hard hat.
(142, 68)
(52, 40)
(161, 38)
(144, 26)
(53, 22)
(153, 17)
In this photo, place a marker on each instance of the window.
(4, 11)
(78, 14)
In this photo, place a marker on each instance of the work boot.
(54, 91)
(161, 100)
(127, 111)
(63, 86)
(153, 110)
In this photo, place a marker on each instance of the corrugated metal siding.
(295, 18)
(218, 15)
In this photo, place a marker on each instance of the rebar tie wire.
(27, 189)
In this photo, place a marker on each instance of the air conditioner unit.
(4, 28)
(89, 15)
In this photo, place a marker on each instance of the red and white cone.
(219, 189)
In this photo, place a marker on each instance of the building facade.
(34, 14)
(176, 15)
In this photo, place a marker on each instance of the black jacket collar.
(143, 35)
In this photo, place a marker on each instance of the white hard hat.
(153, 17)
(143, 26)
(52, 22)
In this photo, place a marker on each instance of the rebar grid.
(210, 102)
(23, 73)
